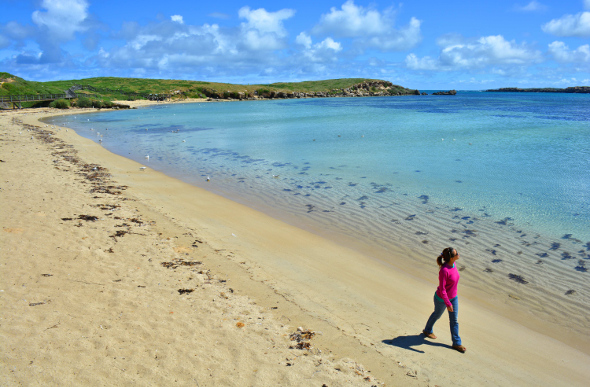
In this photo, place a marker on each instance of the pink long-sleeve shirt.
(448, 279)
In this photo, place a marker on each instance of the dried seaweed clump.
(302, 337)
(180, 262)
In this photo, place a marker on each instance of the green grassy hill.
(137, 88)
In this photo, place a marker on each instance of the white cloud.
(369, 28)
(569, 25)
(304, 40)
(426, 63)
(62, 18)
(460, 53)
(177, 19)
(561, 53)
(264, 30)
(324, 51)
(533, 6)
(353, 21)
(587, 5)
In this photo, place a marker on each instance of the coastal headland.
(115, 274)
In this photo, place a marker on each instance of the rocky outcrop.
(450, 92)
(364, 89)
(575, 89)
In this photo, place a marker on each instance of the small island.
(575, 89)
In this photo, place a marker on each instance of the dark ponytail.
(445, 256)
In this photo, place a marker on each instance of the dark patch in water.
(504, 221)
(410, 217)
(363, 198)
(542, 255)
(565, 255)
(554, 246)
(352, 184)
(518, 278)
(456, 209)
(496, 260)
(424, 199)
(342, 203)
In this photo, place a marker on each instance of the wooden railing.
(37, 97)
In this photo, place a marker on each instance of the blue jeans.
(439, 308)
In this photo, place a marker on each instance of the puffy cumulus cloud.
(304, 40)
(352, 21)
(177, 18)
(264, 30)
(459, 53)
(56, 22)
(62, 18)
(322, 52)
(171, 46)
(562, 53)
(369, 28)
(569, 25)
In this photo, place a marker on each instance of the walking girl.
(445, 297)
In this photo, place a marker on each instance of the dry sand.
(97, 301)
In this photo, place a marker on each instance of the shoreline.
(516, 271)
(345, 294)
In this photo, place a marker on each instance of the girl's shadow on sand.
(410, 341)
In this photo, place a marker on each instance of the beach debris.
(39, 303)
(208, 178)
(195, 243)
(240, 324)
(46, 275)
(88, 218)
(570, 292)
(488, 270)
(180, 262)
(302, 337)
(518, 278)
(142, 168)
(185, 291)
(513, 296)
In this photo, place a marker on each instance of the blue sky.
(419, 44)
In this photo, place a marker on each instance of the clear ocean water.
(370, 166)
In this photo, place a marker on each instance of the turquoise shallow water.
(522, 157)
(504, 178)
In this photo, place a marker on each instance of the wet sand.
(173, 283)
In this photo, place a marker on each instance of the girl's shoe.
(429, 335)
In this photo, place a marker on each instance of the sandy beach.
(113, 274)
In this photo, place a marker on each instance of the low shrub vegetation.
(60, 104)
